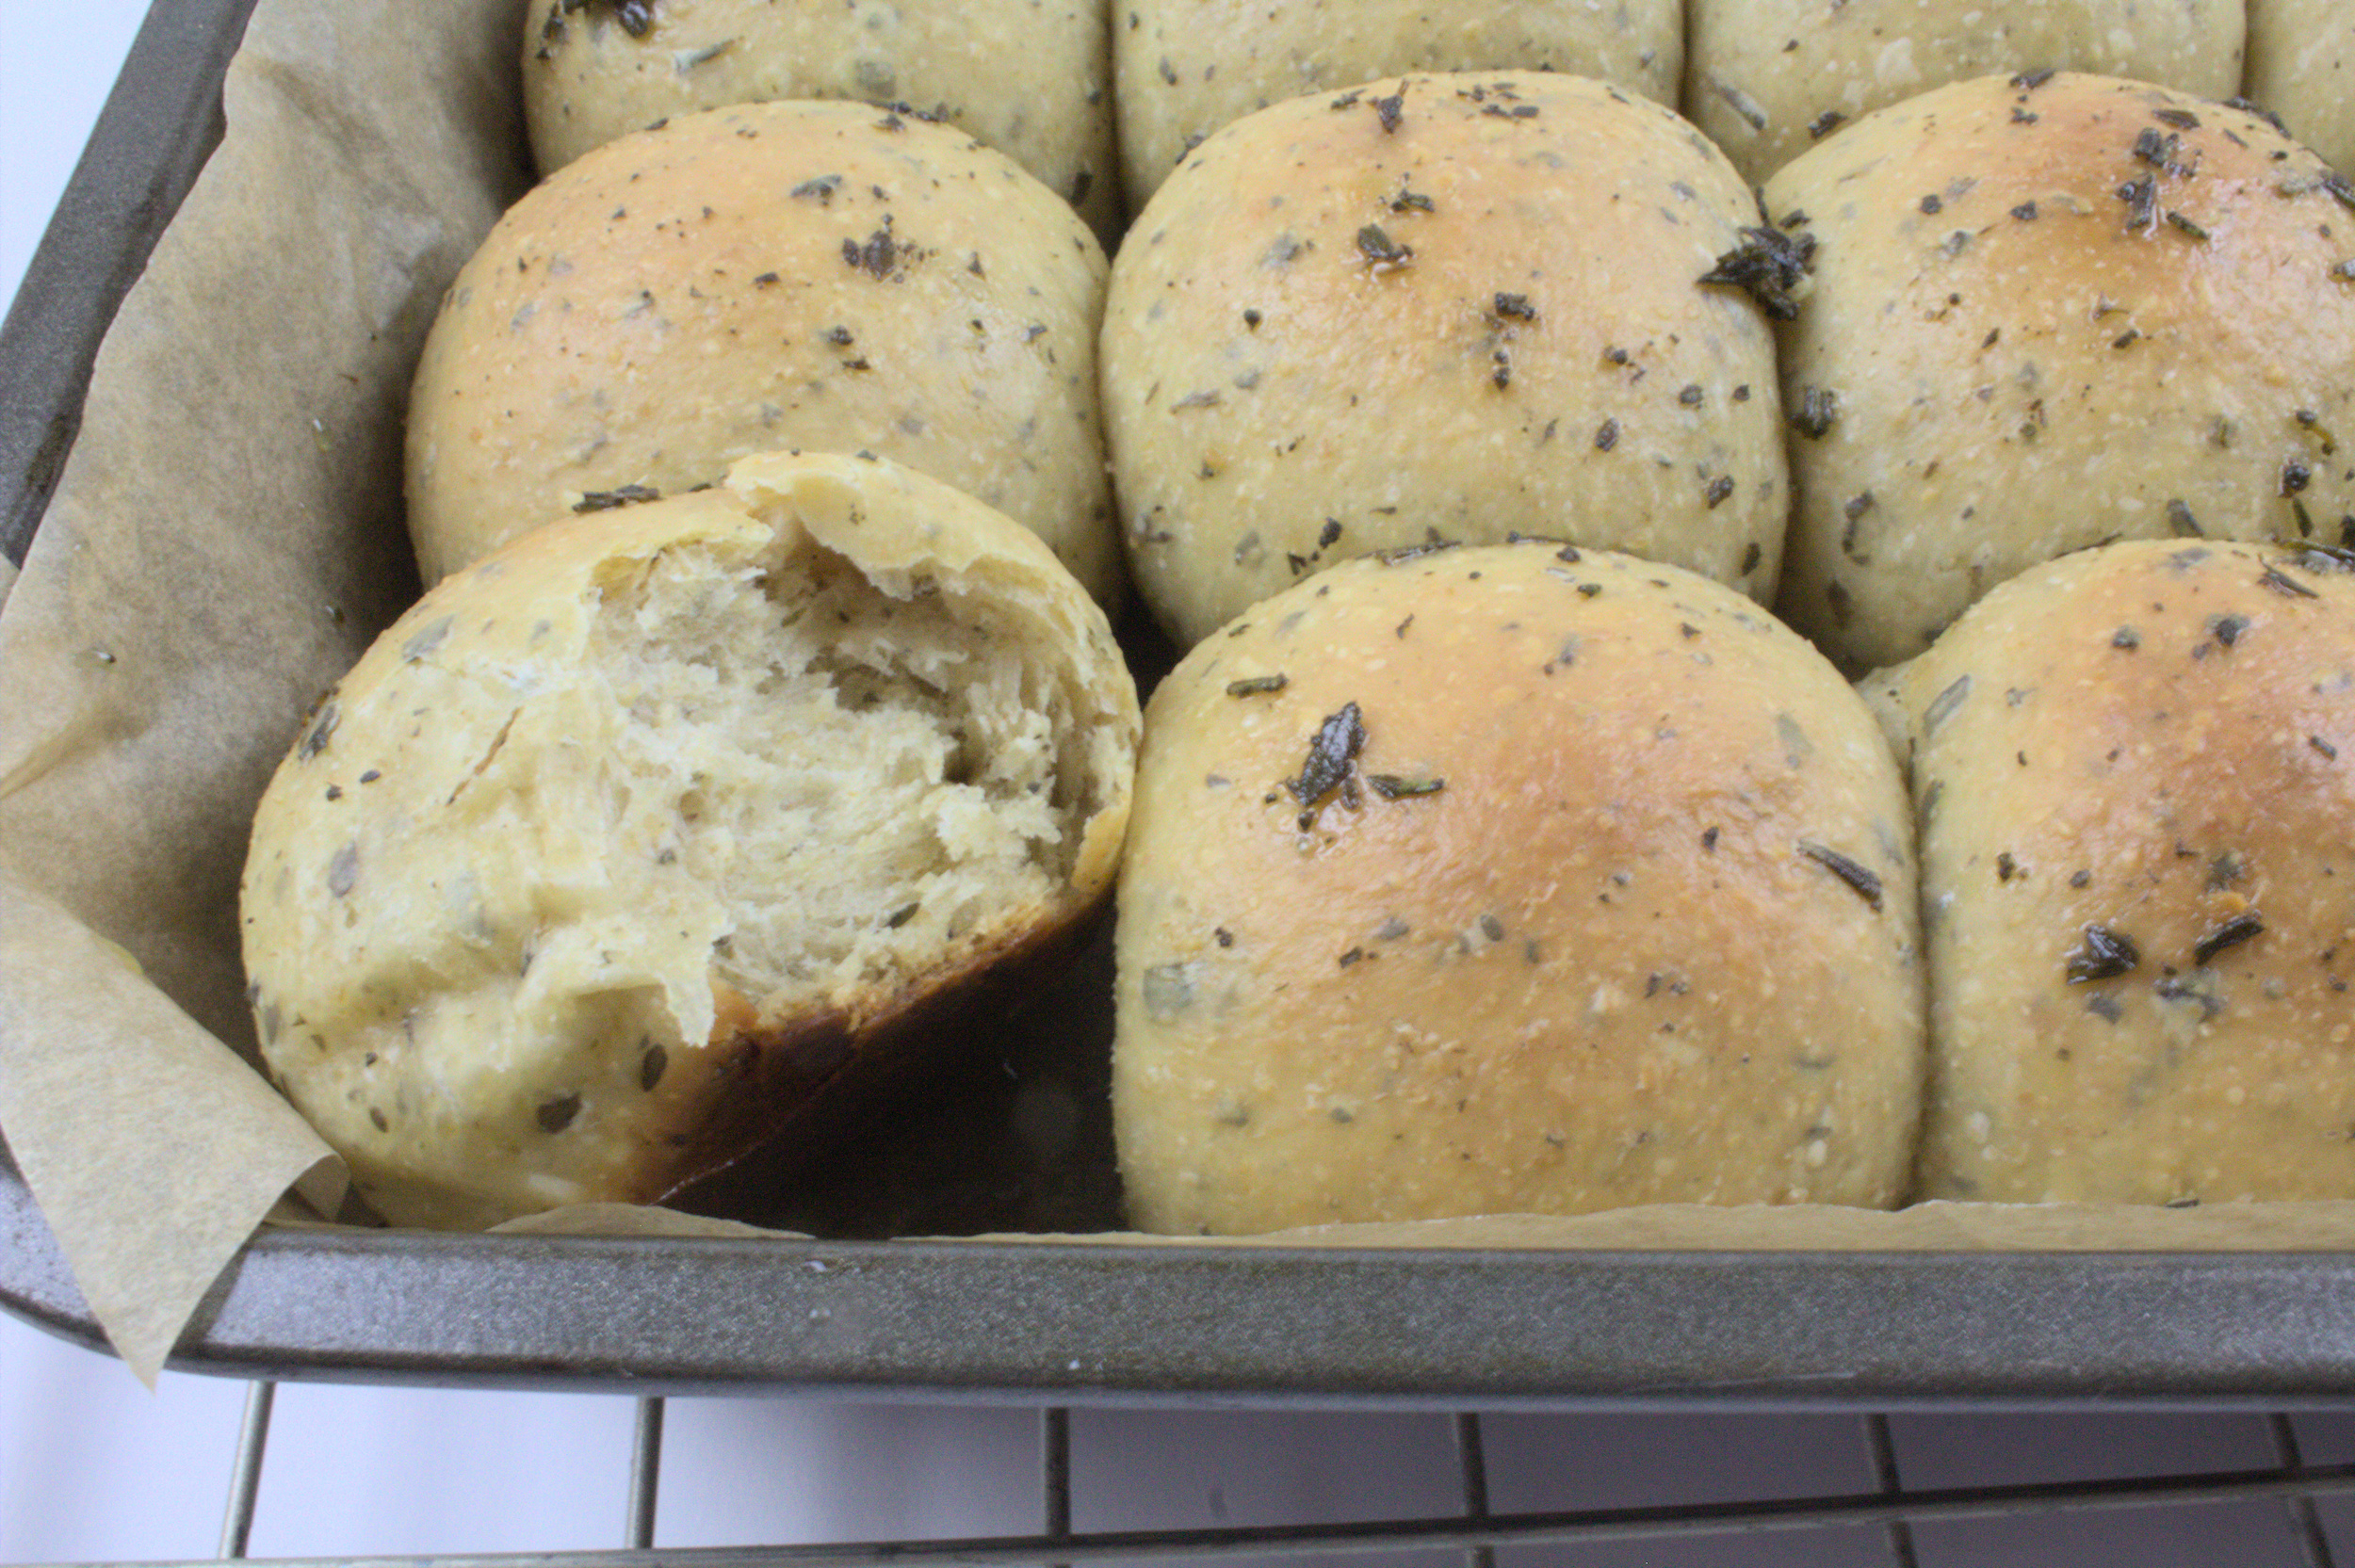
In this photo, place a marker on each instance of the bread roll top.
(2301, 64)
(1511, 878)
(830, 276)
(2133, 774)
(1031, 79)
(2049, 311)
(1185, 70)
(1467, 302)
(1767, 79)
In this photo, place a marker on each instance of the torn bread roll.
(1187, 69)
(1470, 303)
(2049, 311)
(1767, 79)
(628, 845)
(2135, 770)
(829, 277)
(2301, 66)
(1031, 79)
(1516, 878)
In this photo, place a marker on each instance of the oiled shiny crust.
(2153, 742)
(1617, 908)
(1467, 303)
(2301, 66)
(1188, 67)
(2050, 315)
(830, 276)
(405, 826)
(1767, 79)
(1031, 79)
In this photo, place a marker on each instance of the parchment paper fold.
(225, 540)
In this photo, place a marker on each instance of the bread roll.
(823, 276)
(631, 844)
(1769, 78)
(2046, 316)
(1512, 878)
(1031, 79)
(1462, 304)
(1186, 67)
(2301, 66)
(2132, 772)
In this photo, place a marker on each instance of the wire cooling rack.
(1476, 1530)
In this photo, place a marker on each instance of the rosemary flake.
(2141, 197)
(2231, 933)
(1866, 885)
(1770, 265)
(2105, 955)
(611, 500)
(1383, 253)
(2288, 587)
(1410, 552)
(1818, 407)
(1332, 752)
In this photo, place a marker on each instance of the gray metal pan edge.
(1081, 1323)
(161, 121)
(1078, 1323)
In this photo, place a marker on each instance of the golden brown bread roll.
(823, 276)
(1031, 79)
(1467, 303)
(2048, 313)
(633, 844)
(1187, 69)
(1769, 78)
(2301, 66)
(2133, 771)
(1511, 878)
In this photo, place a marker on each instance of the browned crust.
(782, 1092)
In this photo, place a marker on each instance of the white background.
(92, 1467)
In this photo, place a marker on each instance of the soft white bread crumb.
(617, 848)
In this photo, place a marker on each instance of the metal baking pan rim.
(1079, 1322)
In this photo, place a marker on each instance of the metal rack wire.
(1477, 1532)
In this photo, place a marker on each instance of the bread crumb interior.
(865, 780)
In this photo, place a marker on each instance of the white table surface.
(92, 1467)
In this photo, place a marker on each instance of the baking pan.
(1083, 1322)
(1077, 1322)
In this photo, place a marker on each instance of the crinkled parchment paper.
(226, 539)
(225, 542)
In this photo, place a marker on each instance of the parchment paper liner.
(225, 542)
